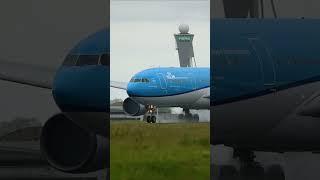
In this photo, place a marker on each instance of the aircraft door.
(162, 80)
(266, 60)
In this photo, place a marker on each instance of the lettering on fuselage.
(174, 81)
(170, 76)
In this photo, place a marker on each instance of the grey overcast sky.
(142, 35)
(42, 32)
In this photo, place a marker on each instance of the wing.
(118, 85)
(27, 74)
(206, 95)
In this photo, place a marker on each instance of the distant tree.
(18, 123)
(116, 102)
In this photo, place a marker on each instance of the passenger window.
(87, 60)
(70, 60)
(105, 60)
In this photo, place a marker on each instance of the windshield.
(143, 80)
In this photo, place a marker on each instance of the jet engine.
(70, 148)
(133, 108)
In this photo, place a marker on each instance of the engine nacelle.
(133, 108)
(70, 148)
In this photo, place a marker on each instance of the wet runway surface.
(22, 160)
(296, 165)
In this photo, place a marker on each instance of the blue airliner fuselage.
(160, 82)
(253, 57)
(77, 139)
(81, 84)
(265, 83)
(171, 87)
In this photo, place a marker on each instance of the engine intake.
(133, 108)
(70, 148)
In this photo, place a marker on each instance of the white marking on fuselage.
(192, 100)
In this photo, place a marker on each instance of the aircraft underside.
(274, 119)
(270, 127)
(198, 99)
(191, 100)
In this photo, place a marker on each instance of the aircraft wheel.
(180, 116)
(196, 117)
(228, 173)
(148, 119)
(251, 172)
(153, 119)
(274, 172)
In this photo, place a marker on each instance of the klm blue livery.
(81, 84)
(161, 82)
(188, 88)
(265, 92)
(257, 57)
(76, 140)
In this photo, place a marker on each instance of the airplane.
(185, 87)
(77, 139)
(265, 92)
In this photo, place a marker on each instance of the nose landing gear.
(151, 114)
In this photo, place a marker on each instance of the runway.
(23, 160)
(296, 165)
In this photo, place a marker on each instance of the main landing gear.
(188, 116)
(249, 169)
(151, 114)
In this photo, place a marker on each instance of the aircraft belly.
(296, 130)
(268, 118)
(188, 100)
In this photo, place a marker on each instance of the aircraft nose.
(74, 91)
(66, 95)
(131, 90)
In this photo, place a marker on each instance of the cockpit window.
(87, 60)
(144, 80)
(105, 59)
(137, 80)
(70, 60)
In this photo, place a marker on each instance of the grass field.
(141, 151)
